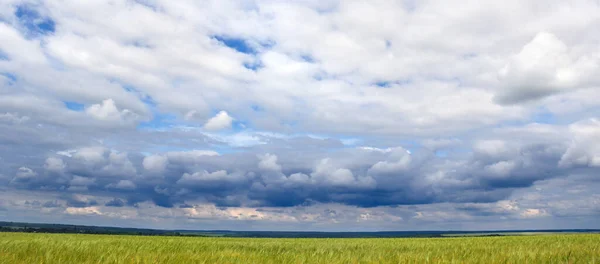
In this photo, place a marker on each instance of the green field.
(70, 248)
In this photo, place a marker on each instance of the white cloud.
(544, 66)
(236, 213)
(92, 210)
(376, 149)
(192, 156)
(400, 161)
(54, 164)
(582, 150)
(328, 173)
(307, 78)
(438, 144)
(123, 185)
(108, 111)
(206, 179)
(24, 174)
(532, 213)
(119, 164)
(13, 118)
(155, 163)
(240, 139)
(501, 168)
(269, 162)
(220, 121)
(492, 147)
(91, 155)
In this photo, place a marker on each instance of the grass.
(70, 248)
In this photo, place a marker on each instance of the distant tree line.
(85, 231)
(77, 229)
(73, 229)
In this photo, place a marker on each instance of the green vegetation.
(80, 248)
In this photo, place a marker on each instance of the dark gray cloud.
(115, 203)
(51, 204)
(364, 177)
(79, 201)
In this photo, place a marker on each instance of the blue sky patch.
(34, 22)
(322, 75)
(238, 126)
(383, 84)
(147, 99)
(237, 44)
(254, 66)
(257, 108)
(147, 4)
(129, 88)
(10, 76)
(159, 121)
(350, 141)
(544, 117)
(468, 56)
(141, 44)
(409, 5)
(388, 84)
(74, 106)
(3, 55)
(267, 44)
(308, 58)
(441, 153)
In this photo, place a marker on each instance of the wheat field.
(75, 248)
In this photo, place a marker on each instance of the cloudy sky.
(301, 115)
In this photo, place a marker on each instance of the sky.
(301, 115)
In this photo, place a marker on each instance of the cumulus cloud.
(13, 118)
(364, 177)
(123, 185)
(190, 156)
(115, 203)
(91, 155)
(328, 173)
(581, 151)
(530, 213)
(79, 201)
(219, 122)
(24, 175)
(107, 111)
(54, 164)
(501, 168)
(269, 162)
(439, 144)
(155, 163)
(92, 210)
(207, 180)
(544, 66)
(401, 162)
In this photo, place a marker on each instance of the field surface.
(73, 248)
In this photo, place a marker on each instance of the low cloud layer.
(278, 177)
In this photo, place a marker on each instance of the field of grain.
(69, 248)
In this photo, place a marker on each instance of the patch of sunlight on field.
(70, 248)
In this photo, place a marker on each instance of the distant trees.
(73, 229)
